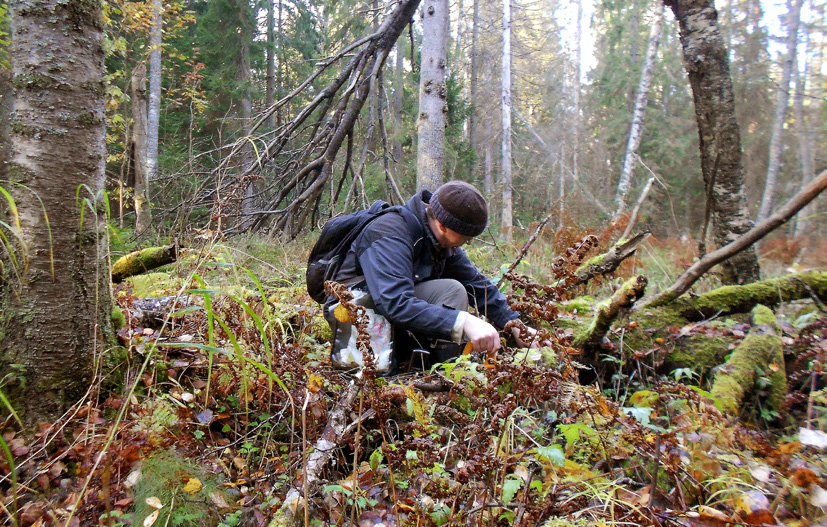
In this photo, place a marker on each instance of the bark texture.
(153, 119)
(507, 220)
(56, 148)
(143, 215)
(433, 95)
(707, 64)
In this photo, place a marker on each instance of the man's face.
(448, 238)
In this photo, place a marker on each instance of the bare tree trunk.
(143, 214)
(472, 117)
(247, 157)
(707, 64)
(642, 98)
(153, 119)
(488, 186)
(806, 136)
(280, 68)
(507, 220)
(56, 148)
(782, 98)
(578, 35)
(398, 94)
(433, 95)
(270, 93)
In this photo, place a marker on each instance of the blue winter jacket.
(399, 250)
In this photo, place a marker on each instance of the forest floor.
(211, 416)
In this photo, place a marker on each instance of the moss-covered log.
(742, 298)
(608, 311)
(142, 261)
(759, 355)
(654, 328)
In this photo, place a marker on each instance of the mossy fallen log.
(655, 327)
(759, 355)
(608, 311)
(740, 298)
(139, 262)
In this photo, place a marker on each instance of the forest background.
(223, 63)
(231, 118)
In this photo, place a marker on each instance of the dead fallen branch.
(321, 454)
(761, 351)
(139, 262)
(691, 275)
(609, 261)
(625, 297)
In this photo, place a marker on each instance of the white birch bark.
(781, 102)
(154, 110)
(507, 220)
(642, 98)
(433, 95)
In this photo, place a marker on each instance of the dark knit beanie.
(460, 207)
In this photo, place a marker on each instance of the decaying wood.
(609, 261)
(139, 262)
(691, 275)
(317, 460)
(761, 351)
(625, 297)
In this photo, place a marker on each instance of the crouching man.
(408, 269)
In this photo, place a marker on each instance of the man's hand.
(533, 339)
(483, 336)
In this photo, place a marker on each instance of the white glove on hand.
(483, 336)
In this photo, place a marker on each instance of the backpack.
(337, 236)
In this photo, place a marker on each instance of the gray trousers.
(443, 292)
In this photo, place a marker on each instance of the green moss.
(153, 284)
(700, 352)
(759, 354)
(581, 304)
(164, 475)
(118, 318)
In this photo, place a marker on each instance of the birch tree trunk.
(507, 220)
(153, 118)
(433, 95)
(782, 98)
(143, 215)
(642, 98)
(707, 64)
(56, 146)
